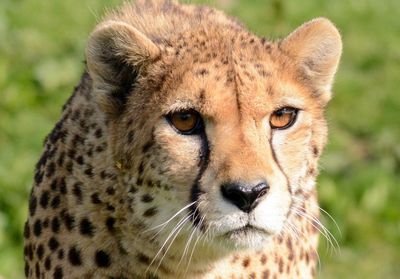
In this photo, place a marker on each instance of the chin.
(246, 238)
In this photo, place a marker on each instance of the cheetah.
(189, 149)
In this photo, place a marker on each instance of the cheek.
(177, 155)
(292, 148)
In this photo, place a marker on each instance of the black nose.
(245, 197)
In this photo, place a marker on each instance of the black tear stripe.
(279, 165)
(281, 169)
(196, 190)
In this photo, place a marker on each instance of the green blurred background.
(41, 59)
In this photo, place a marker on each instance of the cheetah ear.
(116, 53)
(316, 47)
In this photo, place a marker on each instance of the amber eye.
(186, 122)
(283, 118)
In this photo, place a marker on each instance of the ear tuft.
(316, 47)
(115, 54)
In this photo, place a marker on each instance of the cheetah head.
(217, 130)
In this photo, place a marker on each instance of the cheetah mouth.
(247, 229)
(248, 236)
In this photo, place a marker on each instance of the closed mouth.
(246, 229)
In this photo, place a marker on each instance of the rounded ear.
(316, 47)
(115, 54)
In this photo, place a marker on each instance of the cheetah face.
(221, 135)
(230, 163)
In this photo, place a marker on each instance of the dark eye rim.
(197, 128)
(294, 111)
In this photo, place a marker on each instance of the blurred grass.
(41, 53)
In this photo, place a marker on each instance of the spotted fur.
(119, 193)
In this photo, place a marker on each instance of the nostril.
(261, 189)
(244, 197)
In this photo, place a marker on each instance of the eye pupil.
(185, 116)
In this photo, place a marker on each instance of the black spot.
(60, 254)
(37, 227)
(90, 152)
(141, 168)
(102, 259)
(53, 185)
(86, 227)
(98, 133)
(89, 171)
(27, 231)
(147, 198)
(150, 212)
(110, 207)
(147, 146)
(202, 72)
(37, 270)
(55, 203)
(71, 153)
(132, 190)
(74, 256)
(47, 263)
(143, 258)
(53, 244)
(55, 225)
(315, 151)
(80, 160)
(76, 115)
(63, 186)
(38, 177)
(58, 273)
(43, 159)
(50, 169)
(28, 251)
(60, 160)
(110, 224)
(131, 136)
(110, 190)
(95, 198)
(84, 126)
(44, 199)
(68, 220)
(26, 269)
(103, 174)
(40, 251)
(100, 148)
(76, 190)
(32, 205)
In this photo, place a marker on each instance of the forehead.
(245, 78)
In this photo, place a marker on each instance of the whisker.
(170, 219)
(173, 239)
(186, 249)
(320, 227)
(194, 245)
(325, 212)
(176, 227)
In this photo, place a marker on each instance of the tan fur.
(114, 186)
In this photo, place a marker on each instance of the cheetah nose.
(245, 197)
